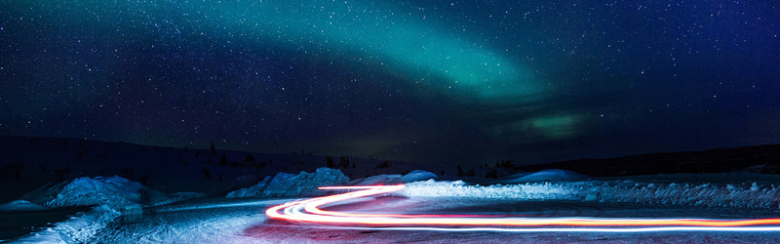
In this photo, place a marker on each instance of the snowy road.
(244, 221)
(310, 211)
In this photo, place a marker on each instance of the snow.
(418, 175)
(222, 220)
(745, 195)
(77, 229)
(112, 191)
(544, 175)
(392, 179)
(212, 220)
(21, 206)
(290, 185)
(112, 197)
(115, 192)
(253, 191)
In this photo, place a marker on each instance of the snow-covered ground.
(127, 212)
(749, 195)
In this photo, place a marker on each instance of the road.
(245, 221)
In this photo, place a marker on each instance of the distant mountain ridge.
(764, 159)
(30, 162)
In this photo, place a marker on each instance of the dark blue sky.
(428, 81)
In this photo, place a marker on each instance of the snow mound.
(544, 175)
(114, 197)
(113, 191)
(383, 179)
(21, 206)
(290, 185)
(417, 175)
(252, 191)
(754, 196)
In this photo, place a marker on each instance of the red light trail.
(309, 211)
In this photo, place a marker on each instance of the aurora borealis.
(428, 81)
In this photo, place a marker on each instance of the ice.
(21, 206)
(392, 179)
(290, 185)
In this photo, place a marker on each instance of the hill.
(28, 163)
(764, 159)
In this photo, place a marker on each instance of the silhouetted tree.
(344, 163)
(249, 159)
(492, 173)
(213, 149)
(329, 162)
(507, 164)
(260, 165)
(13, 169)
(383, 165)
(460, 172)
(223, 161)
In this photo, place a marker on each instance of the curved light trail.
(309, 211)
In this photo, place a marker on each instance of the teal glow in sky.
(407, 41)
(462, 82)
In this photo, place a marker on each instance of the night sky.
(459, 82)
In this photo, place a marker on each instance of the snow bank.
(530, 191)
(417, 175)
(290, 185)
(113, 197)
(706, 195)
(77, 229)
(21, 206)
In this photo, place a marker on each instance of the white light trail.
(309, 211)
